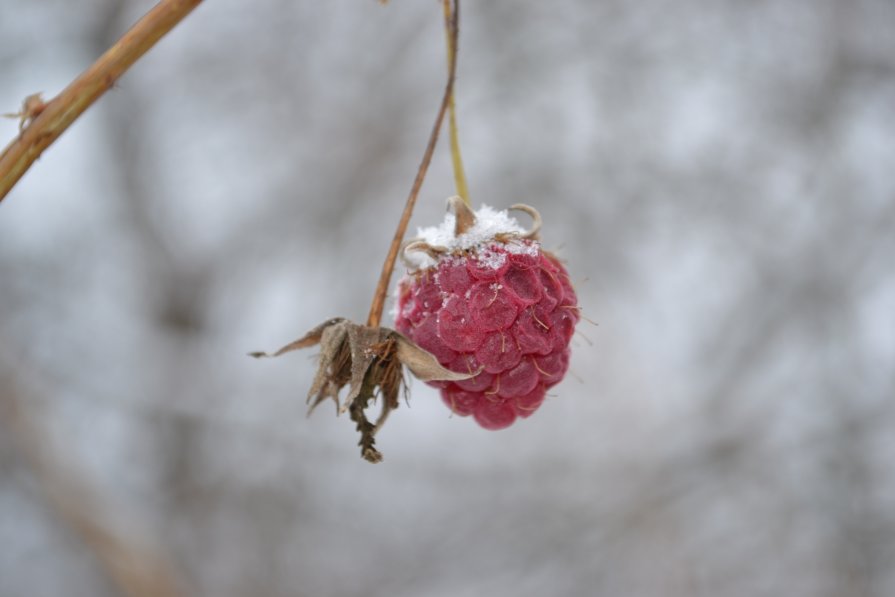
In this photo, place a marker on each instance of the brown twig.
(61, 111)
(389, 265)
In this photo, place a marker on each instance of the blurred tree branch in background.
(136, 570)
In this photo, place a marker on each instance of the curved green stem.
(451, 36)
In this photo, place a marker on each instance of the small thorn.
(31, 109)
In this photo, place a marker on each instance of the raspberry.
(487, 298)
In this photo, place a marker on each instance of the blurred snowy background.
(718, 175)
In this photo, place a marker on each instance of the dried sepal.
(310, 339)
(423, 364)
(535, 232)
(464, 217)
(369, 361)
(434, 252)
(333, 366)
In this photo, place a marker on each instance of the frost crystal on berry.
(484, 298)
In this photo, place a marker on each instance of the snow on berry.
(482, 296)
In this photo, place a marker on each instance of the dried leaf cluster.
(369, 361)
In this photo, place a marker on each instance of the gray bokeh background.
(717, 175)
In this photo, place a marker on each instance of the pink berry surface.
(507, 311)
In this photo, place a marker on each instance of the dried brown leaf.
(310, 339)
(362, 340)
(369, 361)
(332, 363)
(423, 364)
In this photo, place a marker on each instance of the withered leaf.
(369, 361)
(423, 364)
(310, 339)
(361, 340)
(332, 372)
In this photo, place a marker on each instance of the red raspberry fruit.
(487, 298)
